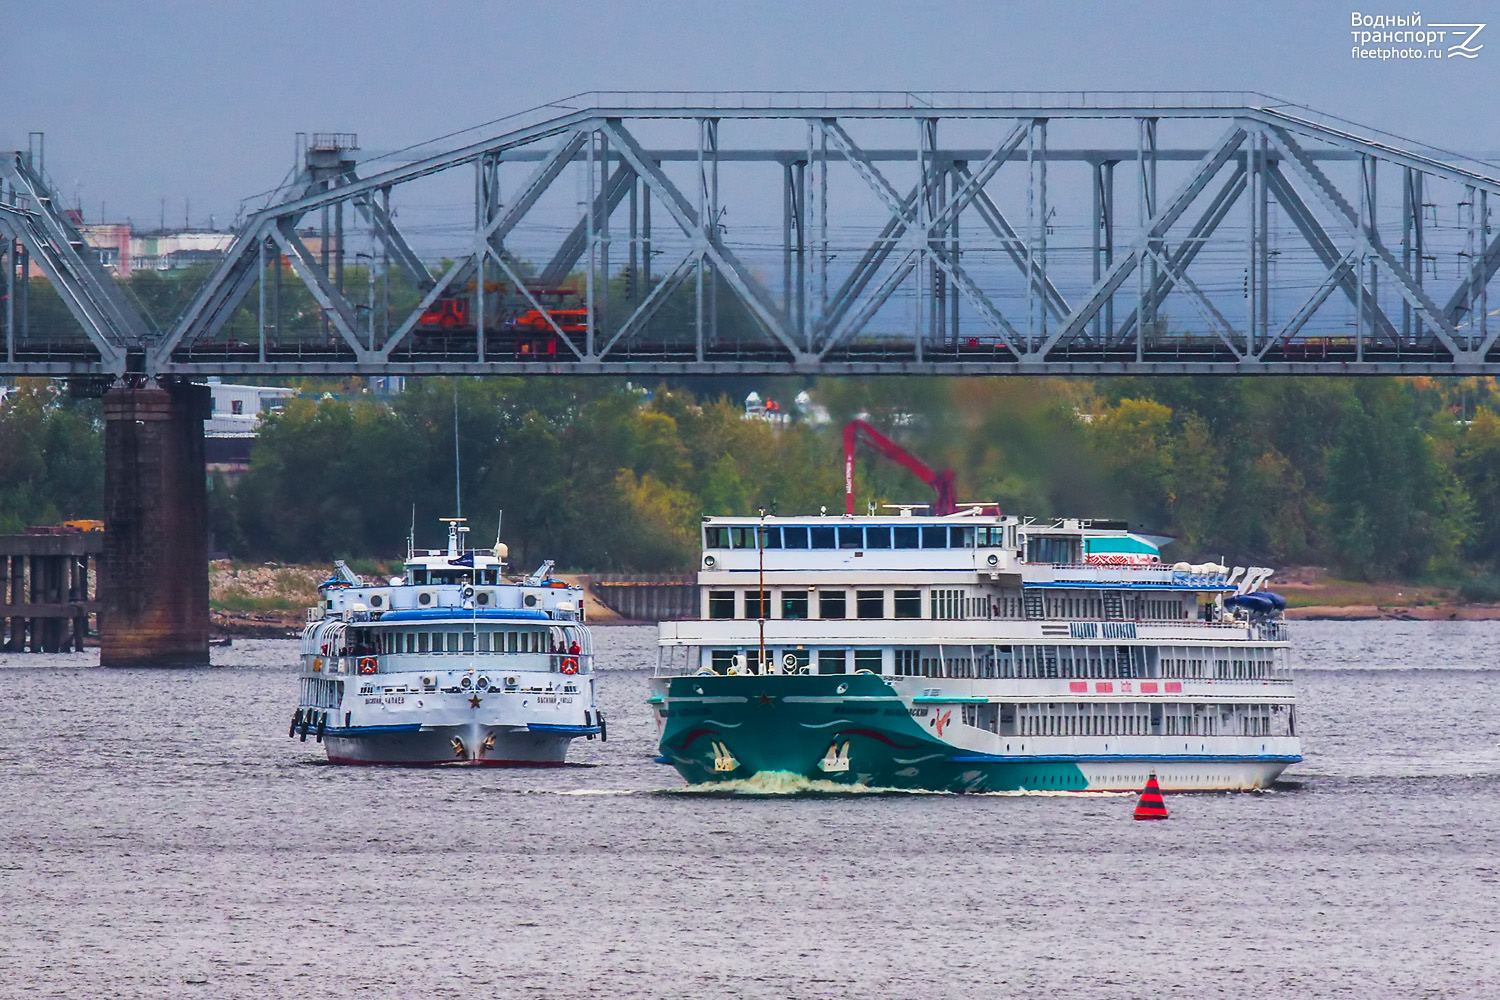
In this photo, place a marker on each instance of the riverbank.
(1313, 595)
(1373, 612)
(269, 601)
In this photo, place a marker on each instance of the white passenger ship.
(973, 652)
(450, 663)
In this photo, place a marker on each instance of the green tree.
(1394, 509)
(51, 457)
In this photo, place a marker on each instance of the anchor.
(723, 759)
(458, 749)
(836, 761)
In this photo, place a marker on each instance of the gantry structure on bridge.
(814, 233)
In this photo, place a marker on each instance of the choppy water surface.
(161, 837)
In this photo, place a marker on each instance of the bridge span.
(830, 233)
(766, 233)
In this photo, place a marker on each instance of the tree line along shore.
(1391, 486)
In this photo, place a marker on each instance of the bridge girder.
(1260, 244)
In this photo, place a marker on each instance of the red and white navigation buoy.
(1151, 805)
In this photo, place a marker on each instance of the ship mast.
(760, 598)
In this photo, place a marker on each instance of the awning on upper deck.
(1119, 549)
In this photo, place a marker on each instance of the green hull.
(849, 729)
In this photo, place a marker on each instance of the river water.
(161, 837)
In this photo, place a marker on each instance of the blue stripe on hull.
(357, 731)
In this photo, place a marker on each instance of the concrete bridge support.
(154, 575)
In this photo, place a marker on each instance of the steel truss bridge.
(849, 233)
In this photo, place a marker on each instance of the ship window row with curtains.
(1087, 662)
(1246, 664)
(1078, 662)
(1081, 662)
(1136, 719)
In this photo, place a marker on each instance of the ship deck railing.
(348, 663)
(798, 630)
(1125, 575)
(1054, 688)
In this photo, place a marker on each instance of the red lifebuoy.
(367, 665)
(569, 665)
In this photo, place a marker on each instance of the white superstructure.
(1023, 653)
(451, 662)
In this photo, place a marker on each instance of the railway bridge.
(1074, 233)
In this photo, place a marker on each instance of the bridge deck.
(831, 233)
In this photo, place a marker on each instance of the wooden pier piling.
(48, 590)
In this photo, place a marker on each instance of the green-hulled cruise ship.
(972, 652)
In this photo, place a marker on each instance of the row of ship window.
(1062, 549)
(483, 641)
(1142, 719)
(1218, 662)
(941, 604)
(1033, 662)
(956, 604)
(422, 576)
(830, 604)
(859, 536)
(1096, 605)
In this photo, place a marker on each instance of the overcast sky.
(198, 101)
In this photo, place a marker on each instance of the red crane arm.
(941, 482)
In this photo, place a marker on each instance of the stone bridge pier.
(154, 573)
